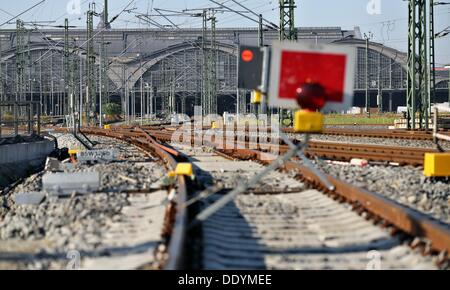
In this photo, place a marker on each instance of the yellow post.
(437, 165)
(256, 97)
(308, 122)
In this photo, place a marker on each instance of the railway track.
(379, 133)
(333, 150)
(348, 132)
(429, 234)
(289, 221)
(282, 224)
(127, 223)
(175, 215)
(377, 153)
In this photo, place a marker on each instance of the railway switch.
(437, 165)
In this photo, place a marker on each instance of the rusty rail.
(345, 152)
(391, 134)
(338, 151)
(407, 220)
(403, 218)
(176, 215)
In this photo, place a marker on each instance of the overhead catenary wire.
(98, 32)
(241, 14)
(257, 15)
(23, 12)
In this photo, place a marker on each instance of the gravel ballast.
(406, 185)
(77, 222)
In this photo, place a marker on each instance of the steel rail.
(407, 220)
(334, 150)
(388, 134)
(349, 132)
(403, 218)
(176, 215)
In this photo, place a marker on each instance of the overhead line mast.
(287, 20)
(20, 61)
(432, 57)
(287, 29)
(90, 100)
(209, 64)
(417, 96)
(67, 66)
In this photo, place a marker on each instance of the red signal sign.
(296, 65)
(247, 55)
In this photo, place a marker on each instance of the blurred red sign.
(298, 68)
(294, 65)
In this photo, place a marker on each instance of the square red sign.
(294, 64)
(300, 67)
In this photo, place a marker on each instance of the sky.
(385, 19)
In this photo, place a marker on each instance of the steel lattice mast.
(213, 55)
(205, 69)
(73, 78)
(20, 60)
(90, 100)
(66, 64)
(287, 23)
(287, 28)
(432, 74)
(417, 97)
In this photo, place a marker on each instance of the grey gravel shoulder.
(78, 222)
(406, 185)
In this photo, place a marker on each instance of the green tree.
(112, 109)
